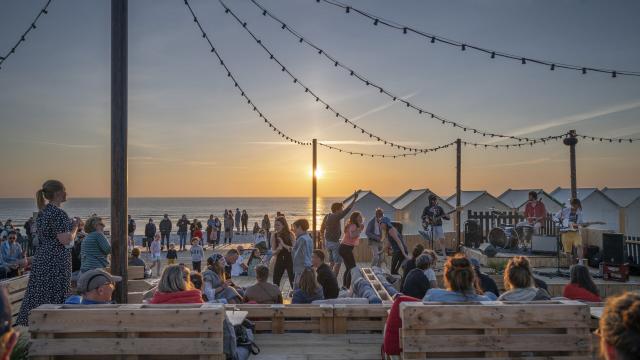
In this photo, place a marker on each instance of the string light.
(433, 38)
(328, 106)
(609, 139)
(23, 37)
(381, 89)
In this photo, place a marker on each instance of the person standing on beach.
(156, 254)
(244, 218)
(350, 240)
(183, 225)
(282, 243)
(211, 225)
(131, 227)
(50, 278)
(165, 230)
(266, 226)
(216, 229)
(193, 227)
(238, 219)
(302, 249)
(149, 233)
(228, 227)
(331, 231)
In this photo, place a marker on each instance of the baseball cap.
(95, 278)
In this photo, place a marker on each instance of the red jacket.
(575, 292)
(391, 342)
(180, 297)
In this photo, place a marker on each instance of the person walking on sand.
(238, 219)
(228, 227)
(244, 218)
(149, 233)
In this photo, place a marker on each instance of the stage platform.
(537, 261)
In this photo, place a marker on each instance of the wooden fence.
(487, 220)
(633, 248)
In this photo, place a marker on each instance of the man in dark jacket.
(331, 231)
(486, 282)
(149, 233)
(326, 278)
(416, 283)
(165, 230)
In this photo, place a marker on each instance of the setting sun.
(319, 172)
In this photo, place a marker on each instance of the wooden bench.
(358, 319)
(16, 287)
(545, 329)
(279, 319)
(131, 331)
(376, 284)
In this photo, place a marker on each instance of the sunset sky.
(191, 134)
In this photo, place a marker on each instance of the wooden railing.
(632, 244)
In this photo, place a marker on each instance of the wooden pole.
(314, 192)
(458, 191)
(571, 140)
(119, 208)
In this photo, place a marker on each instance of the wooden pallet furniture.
(358, 319)
(371, 277)
(16, 287)
(131, 331)
(544, 329)
(279, 319)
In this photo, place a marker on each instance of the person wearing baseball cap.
(95, 287)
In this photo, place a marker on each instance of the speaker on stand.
(472, 235)
(613, 248)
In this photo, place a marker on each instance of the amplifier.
(544, 244)
(488, 250)
(615, 272)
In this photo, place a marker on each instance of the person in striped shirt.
(95, 246)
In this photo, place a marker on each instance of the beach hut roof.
(361, 194)
(563, 195)
(518, 197)
(410, 196)
(466, 197)
(622, 196)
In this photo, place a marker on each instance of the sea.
(141, 209)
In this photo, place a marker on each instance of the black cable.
(23, 37)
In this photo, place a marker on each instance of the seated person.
(430, 273)
(12, 254)
(619, 329)
(326, 278)
(255, 259)
(261, 242)
(175, 287)
(518, 280)
(238, 267)
(460, 282)
(410, 264)
(581, 286)
(486, 282)
(135, 260)
(197, 281)
(309, 289)
(95, 287)
(416, 283)
(216, 284)
(263, 292)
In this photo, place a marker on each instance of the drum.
(506, 238)
(525, 232)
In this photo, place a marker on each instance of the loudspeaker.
(472, 235)
(613, 248)
(593, 256)
(544, 244)
(488, 249)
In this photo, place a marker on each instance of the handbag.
(245, 338)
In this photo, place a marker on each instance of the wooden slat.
(139, 285)
(126, 346)
(500, 343)
(16, 284)
(502, 315)
(135, 273)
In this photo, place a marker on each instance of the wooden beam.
(458, 192)
(314, 193)
(119, 124)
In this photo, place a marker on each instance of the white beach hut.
(628, 199)
(517, 199)
(409, 208)
(480, 201)
(367, 203)
(596, 206)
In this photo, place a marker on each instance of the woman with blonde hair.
(460, 282)
(50, 277)
(175, 288)
(95, 246)
(519, 282)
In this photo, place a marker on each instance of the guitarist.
(570, 220)
(432, 215)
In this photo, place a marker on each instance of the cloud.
(72, 146)
(382, 107)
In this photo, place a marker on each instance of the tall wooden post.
(571, 140)
(314, 193)
(458, 191)
(119, 208)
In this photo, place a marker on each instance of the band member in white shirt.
(570, 220)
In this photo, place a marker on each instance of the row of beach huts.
(618, 208)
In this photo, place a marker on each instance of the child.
(172, 254)
(261, 242)
(156, 253)
(239, 268)
(196, 254)
(254, 260)
(197, 233)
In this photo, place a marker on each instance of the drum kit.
(509, 236)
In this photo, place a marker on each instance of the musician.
(535, 211)
(432, 215)
(570, 220)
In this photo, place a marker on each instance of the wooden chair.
(131, 331)
(544, 329)
(16, 287)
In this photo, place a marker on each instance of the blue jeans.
(183, 240)
(332, 250)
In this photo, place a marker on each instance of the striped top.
(94, 251)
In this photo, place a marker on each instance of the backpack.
(245, 340)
